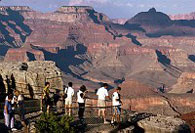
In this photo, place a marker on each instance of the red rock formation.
(190, 16)
(189, 118)
(184, 83)
(158, 104)
(21, 54)
(108, 51)
(132, 88)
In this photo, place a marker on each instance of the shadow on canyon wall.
(3, 49)
(65, 58)
(31, 56)
(192, 58)
(13, 20)
(163, 59)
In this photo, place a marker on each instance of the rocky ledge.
(162, 124)
(29, 77)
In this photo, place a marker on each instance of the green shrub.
(50, 123)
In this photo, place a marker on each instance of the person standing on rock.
(81, 97)
(102, 93)
(46, 100)
(69, 93)
(116, 103)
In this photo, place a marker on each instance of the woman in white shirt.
(81, 101)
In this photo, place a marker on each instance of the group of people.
(13, 101)
(102, 94)
(16, 100)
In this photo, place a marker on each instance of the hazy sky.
(112, 8)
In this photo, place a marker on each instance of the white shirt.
(79, 98)
(115, 99)
(14, 98)
(20, 98)
(70, 92)
(102, 93)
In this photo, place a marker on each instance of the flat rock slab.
(163, 124)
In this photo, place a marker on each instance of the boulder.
(163, 124)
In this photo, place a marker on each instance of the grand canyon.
(140, 54)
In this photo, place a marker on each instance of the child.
(116, 102)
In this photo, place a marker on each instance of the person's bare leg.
(104, 115)
(113, 117)
(118, 118)
(70, 110)
(66, 109)
(99, 112)
(48, 107)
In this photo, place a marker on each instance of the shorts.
(68, 101)
(102, 104)
(47, 102)
(117, 110)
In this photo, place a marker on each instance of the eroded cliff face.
(31, 81)
(185, 83)
(24, 54)
(88, 46)
(171, 105)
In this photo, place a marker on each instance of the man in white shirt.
(102, 93)
(69, 92)
(116, 103)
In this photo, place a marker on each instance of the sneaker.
(14, 129)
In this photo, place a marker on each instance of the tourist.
(56, 97)
(69, 93)
(46, 100)
(81, 97)
(13, 106)
(102, 94)
(116, 103)
(8, 113)
(21, 108)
